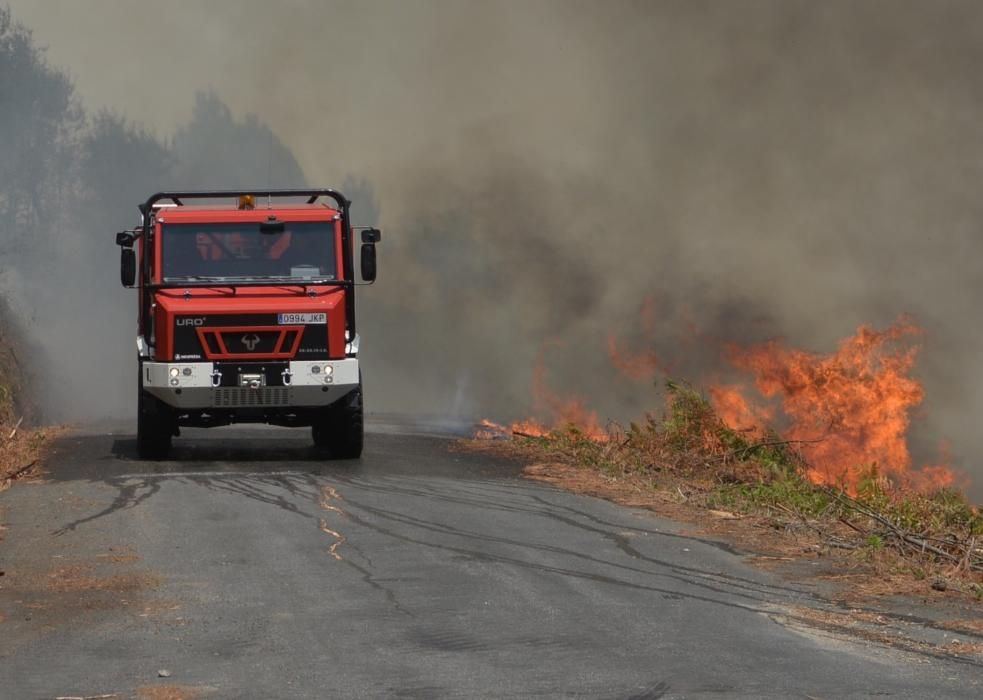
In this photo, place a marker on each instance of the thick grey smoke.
(770, 167)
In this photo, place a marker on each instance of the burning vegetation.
(846, 413)
(821, 438)
(849, 411)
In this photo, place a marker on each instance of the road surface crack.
(328, 494)
(339, 540)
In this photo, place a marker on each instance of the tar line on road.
(247, 566)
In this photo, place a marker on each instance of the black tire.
(155, 427)
(340, 429)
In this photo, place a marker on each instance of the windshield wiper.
(317, 279)
(194, 278)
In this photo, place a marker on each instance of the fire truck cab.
(247, 314)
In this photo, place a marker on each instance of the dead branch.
(14, 431)
(769, 443)
(826, 537)
(527, 435)
(855, 528)
(964, 557)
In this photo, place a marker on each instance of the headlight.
(175, 371)
(328, 370)
(174, 382)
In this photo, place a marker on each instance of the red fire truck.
(247, 314)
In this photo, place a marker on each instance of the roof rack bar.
(176, 197)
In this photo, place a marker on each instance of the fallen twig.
(21, 470)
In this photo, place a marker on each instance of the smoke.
(70, 180)
(773, 167)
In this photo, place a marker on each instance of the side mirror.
(368, 262)
(127, 267)
(370, 237)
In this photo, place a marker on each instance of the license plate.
(305, 318)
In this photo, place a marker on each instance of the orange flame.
(489, 430)
(850, 408)
(564, 412)
(737, 412)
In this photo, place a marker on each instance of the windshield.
(240, 252)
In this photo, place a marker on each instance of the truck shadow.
(106, 456)
(225, 451)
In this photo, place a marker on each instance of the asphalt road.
(245, 567)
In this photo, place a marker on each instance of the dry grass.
(21, 444)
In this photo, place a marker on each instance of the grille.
(246, 342)
(235, 397)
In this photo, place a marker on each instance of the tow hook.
(287, 376)
(216, 378)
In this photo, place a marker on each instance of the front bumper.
(197, 385)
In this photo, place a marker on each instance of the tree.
(216, 151)
(40, 123)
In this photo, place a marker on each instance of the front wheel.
(155, 426)
(339, 428)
